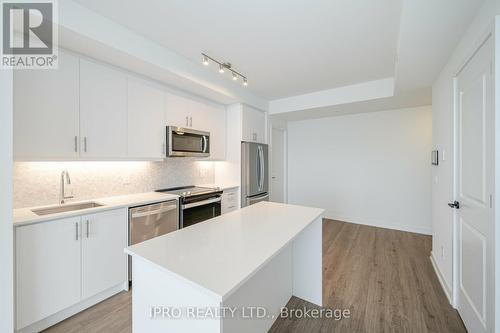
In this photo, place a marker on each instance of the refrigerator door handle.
(263, 168)
(257, 169)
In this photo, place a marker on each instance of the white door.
(46, 112)
(104, 264)
(48, 272)
(475, 180)
(103, 111)
(146, 121)
(278, 166)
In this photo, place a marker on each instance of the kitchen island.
(232, 273)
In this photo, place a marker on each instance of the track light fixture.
(222, 68)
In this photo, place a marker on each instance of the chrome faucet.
(65, 179)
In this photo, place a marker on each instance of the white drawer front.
(229, 201)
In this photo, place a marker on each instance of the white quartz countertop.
(220, 254)
(25, 216)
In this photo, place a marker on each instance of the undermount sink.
(66, 208)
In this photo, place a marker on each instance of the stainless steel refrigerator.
(254, 173)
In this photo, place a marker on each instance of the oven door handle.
(201, 203)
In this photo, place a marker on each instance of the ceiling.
(286, 47)
(296, 47)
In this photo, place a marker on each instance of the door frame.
(6, 179)
(489, 34)
(285, 159)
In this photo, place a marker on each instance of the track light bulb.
(245, 82)
(235, 77)
(205, 60)
(221, 69)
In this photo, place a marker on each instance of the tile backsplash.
(38, 183)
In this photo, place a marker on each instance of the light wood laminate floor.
(384, 277)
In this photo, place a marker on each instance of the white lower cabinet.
(229, 201)
(104, 264)
(48, 269)
(63, 262)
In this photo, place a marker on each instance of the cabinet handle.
(76, 229)
(85, 144)
(190, 121)
(76, 144)
(87, 228)
(187, 121)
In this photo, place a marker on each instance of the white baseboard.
(379, 224)
(66, 313)
(442, 281)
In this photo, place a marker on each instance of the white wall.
(6, 242)
(442, 176)
(371, 168)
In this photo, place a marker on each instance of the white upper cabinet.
(103, 111)
(104, 264)
(185, 112)
(253, 124)
(177, 110)
(214, 118)
(46, 112)
(86, 110)
(146, 119)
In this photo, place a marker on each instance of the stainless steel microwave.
(187, 142)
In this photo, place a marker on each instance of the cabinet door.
(104, 264)
(103, 111)
(46, 112)
(253, 125)
(48, 273)
(177, 109)
(146, 122)
(214, 119)
(229, 200)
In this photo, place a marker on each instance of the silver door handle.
(76, 229)
(190, 121)
(76, 144)
(261, 168)
(85, 144)
(257, 170)
(201, 203)
(204, 144)
(187, 121)
(87, 228)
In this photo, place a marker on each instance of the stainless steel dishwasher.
(150, 221)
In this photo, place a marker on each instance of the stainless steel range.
(197, 203)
